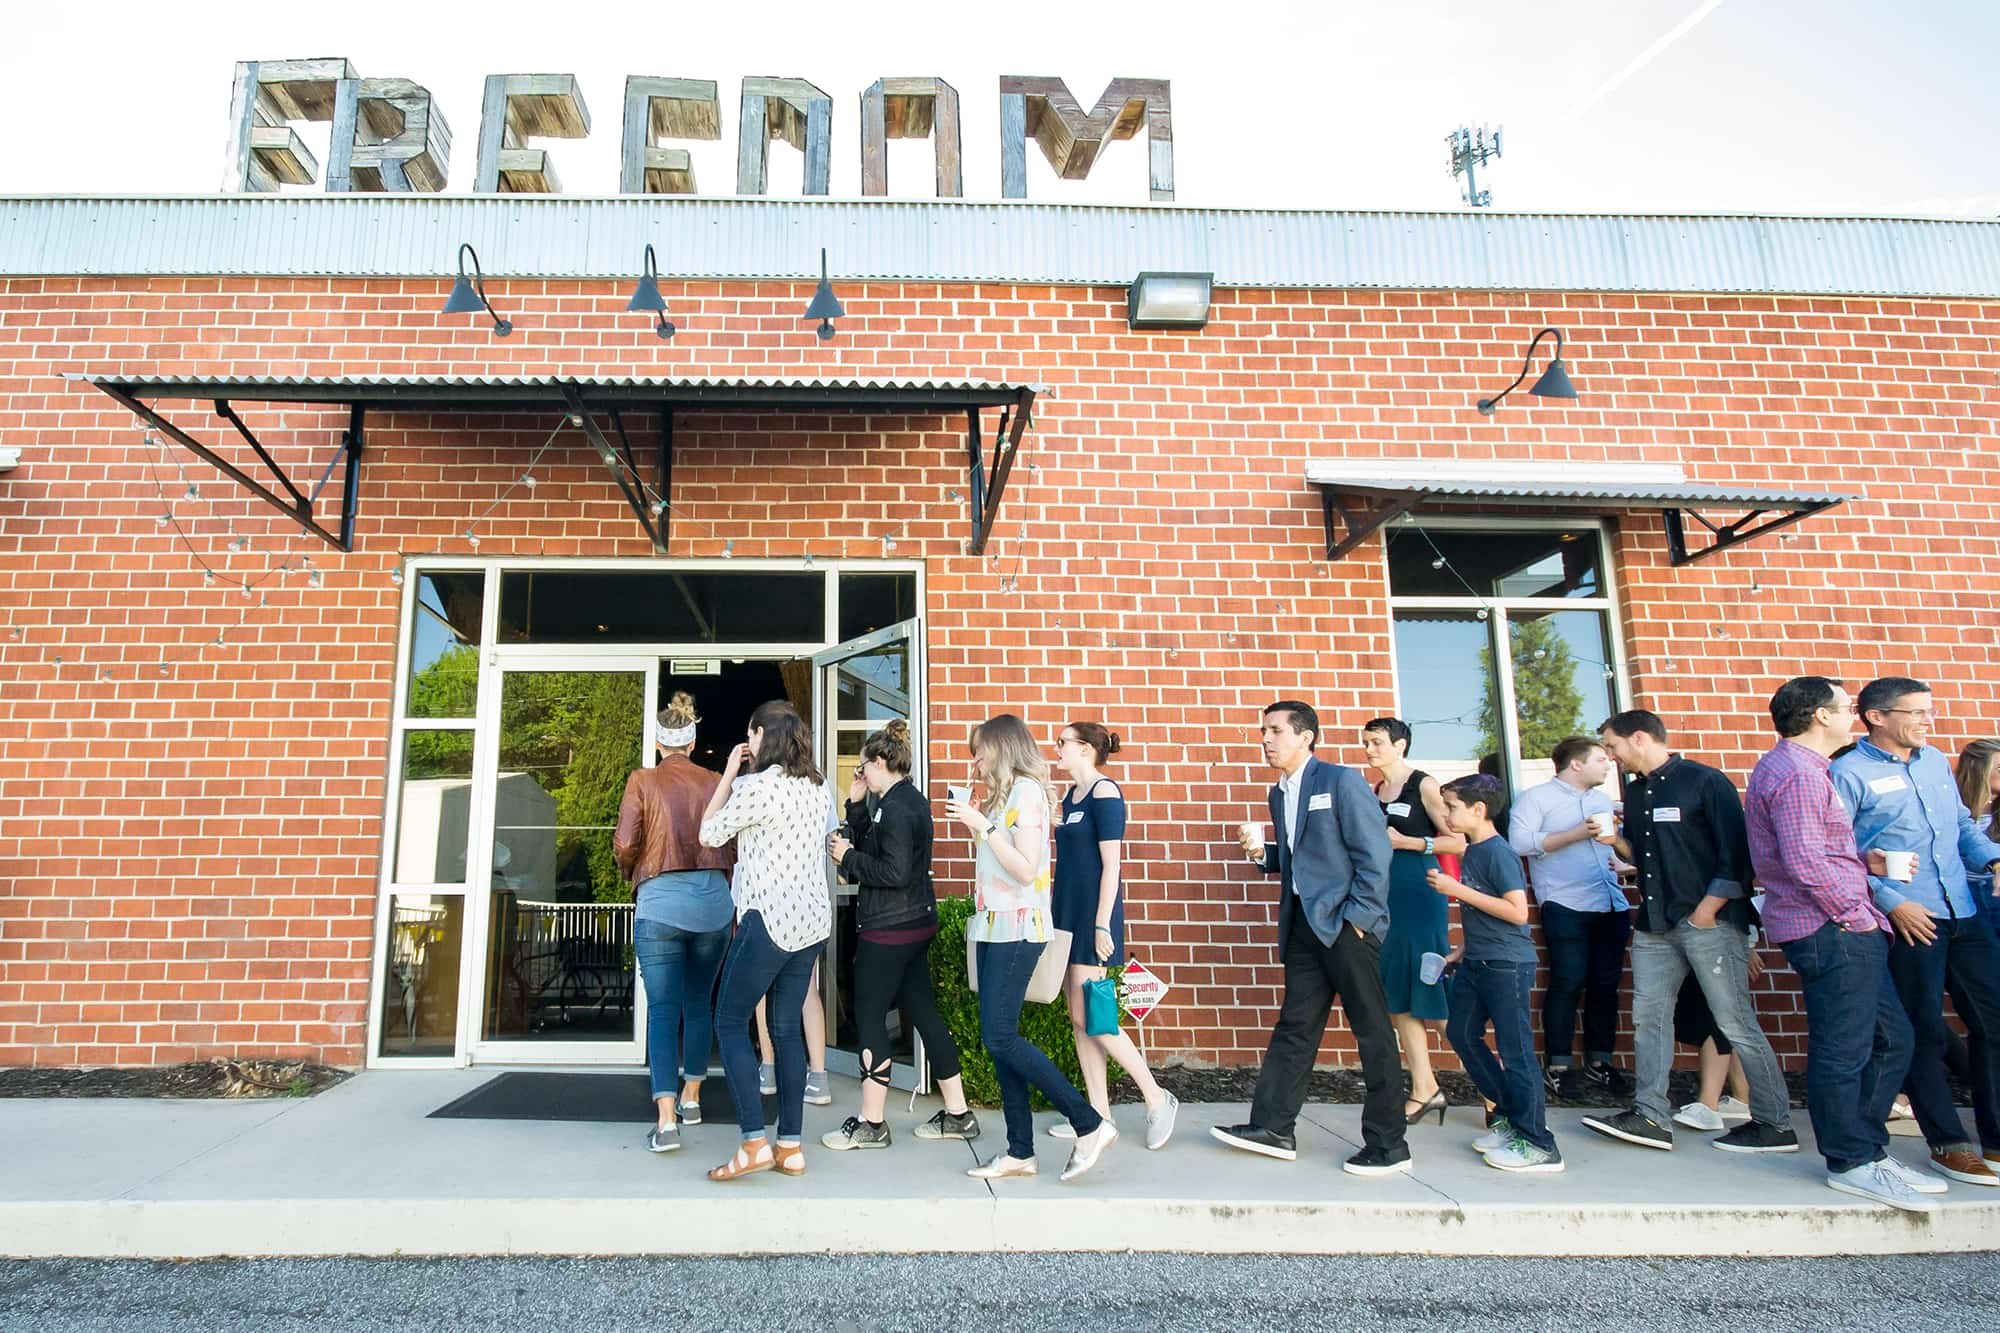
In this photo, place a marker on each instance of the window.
(1458, 592)
(663, 606)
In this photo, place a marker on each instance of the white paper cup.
(1429, 968)
(1255, 832)
(1902, 865)
(1604, 823)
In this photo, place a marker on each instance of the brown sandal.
(745, 1162)
(790, 1159)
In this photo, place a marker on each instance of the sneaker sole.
(939, 1138)
(1261, 1149)
(1401, 1168)
(1538, 1168)
(1611, 1133)
(850, 1145)
(1965, 1177)
(1921, 1204)
(671, 1147)
(1720, 1146)
(1700, 1128)
(980, 1173)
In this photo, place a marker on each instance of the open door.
(858, 688)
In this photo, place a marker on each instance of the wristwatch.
(986, 833)
(1430, 846)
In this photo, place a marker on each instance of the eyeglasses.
(1068, 740)
(1923, 714)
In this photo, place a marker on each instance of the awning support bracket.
(988, 486)
(1359, 526)
(1751, 525)
(298, 509)
(635, 496)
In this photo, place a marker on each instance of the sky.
(1774, 106)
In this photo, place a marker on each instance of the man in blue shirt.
(1586, 918)
(1906, 807)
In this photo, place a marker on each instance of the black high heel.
(1436, 1103)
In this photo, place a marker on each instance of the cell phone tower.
(1471, 149)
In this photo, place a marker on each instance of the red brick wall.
(191, 859)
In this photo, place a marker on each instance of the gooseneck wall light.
(825, 306)
(468, 294)
(647, 297)
(1554, 382)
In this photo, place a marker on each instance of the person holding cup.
(1564, 829)
(1906, 807)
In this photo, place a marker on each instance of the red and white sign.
(1143, 990)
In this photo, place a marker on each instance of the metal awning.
(1387, 489)
(583, 398)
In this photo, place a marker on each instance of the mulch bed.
(241, 1079)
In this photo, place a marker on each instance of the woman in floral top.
(778, 813)
(1009, 928)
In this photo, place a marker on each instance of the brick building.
(251, 819)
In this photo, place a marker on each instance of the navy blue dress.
(1083, 821)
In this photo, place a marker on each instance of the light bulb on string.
(472, 538)
(58, 659)
(1482, 613)
(952, 496)
(1438, 563)
(217, 640)
(164, 669)
(658, 507)
(528, 480)
(14, 632)
(192, 493)
(396, 576)
(888, 543)
(208, 578)
(809, 559)
(161, 520)
(729, 549)
(314, 579)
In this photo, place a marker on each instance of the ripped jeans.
(1719, 961)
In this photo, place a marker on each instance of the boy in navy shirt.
(1495, 968)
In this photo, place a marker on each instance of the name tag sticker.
(1667, 814)
(878, 815)
(1883, 786)
(1399, 808)
(1075, 817)
(1323, 801)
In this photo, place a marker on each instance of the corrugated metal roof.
(364, 235)
(1632, 495)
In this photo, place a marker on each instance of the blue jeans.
(1857, 1041)
(1965, 958)
(757, 967)
(1496, 991)
(678, 968)
(1018, 1064)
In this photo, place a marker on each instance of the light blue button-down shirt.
(1578, 876)
(1912, 805)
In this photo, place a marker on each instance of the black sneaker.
(1755, 1136)
(1254, 1138)
(1566, 1083)
(1608, 1078)
(1379, 1161)
(1633, 1128)
(854, 1132)
(945, 1125)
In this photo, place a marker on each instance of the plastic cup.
(1429, 968)
(1254, 832)
(1902, 865)
(1604, 823)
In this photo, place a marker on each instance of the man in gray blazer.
(1331, 856)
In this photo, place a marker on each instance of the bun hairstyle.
(1102, 743)
(891, 745)
(678, 715)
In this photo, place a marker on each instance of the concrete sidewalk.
(359, 1170)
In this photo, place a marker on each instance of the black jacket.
(891, 860)
(1684, 823)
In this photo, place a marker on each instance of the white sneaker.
(1062, 1129)
(1883, 1185)
(1697, 1116)
(1089, 1147)
(1494, 1139)
(1731, 1109)
(1160, 1122)
(1915, 1179)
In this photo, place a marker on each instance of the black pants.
(1587, 960)
(899, 976)
(1315, 975)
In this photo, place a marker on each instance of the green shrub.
(1046, 1025)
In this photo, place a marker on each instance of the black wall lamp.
(1169, 300)
(1554, 382)
(468, 294)
(647, 297)
(825, 305)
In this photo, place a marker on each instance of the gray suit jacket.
(1340, 866)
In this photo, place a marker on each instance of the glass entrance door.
(559, 970)
(858, 687)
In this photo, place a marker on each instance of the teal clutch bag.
(1100, 1007)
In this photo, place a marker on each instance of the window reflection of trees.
(577, 734)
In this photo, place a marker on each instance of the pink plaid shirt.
(1802, 847)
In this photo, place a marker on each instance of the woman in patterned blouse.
(778, 812)
(1009, 928)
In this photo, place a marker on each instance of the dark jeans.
(757, 967)
(1004, 972)
(1316, 974)
(1497, 992)
(1586, 959)
(1857, 1041)
(1964, 957)
(899, 976)
(678, 968)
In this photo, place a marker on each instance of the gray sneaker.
(1872, 1181)
(690, 1113)
(1160, 1122)
(945, 1125)
(1521, 1155)
(818, 1091)
(664, 1140)
(854, 1132)
(767, 1079)
(1496, 1138)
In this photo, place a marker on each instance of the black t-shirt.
(1494, 868)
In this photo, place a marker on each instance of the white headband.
(676, 737)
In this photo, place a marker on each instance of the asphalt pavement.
(890, 1294)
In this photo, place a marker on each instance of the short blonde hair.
(1004, 752)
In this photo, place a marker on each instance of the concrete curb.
(740, 1225)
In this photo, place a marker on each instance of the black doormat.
(611, 1099)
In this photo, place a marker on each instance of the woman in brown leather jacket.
(683, 915)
